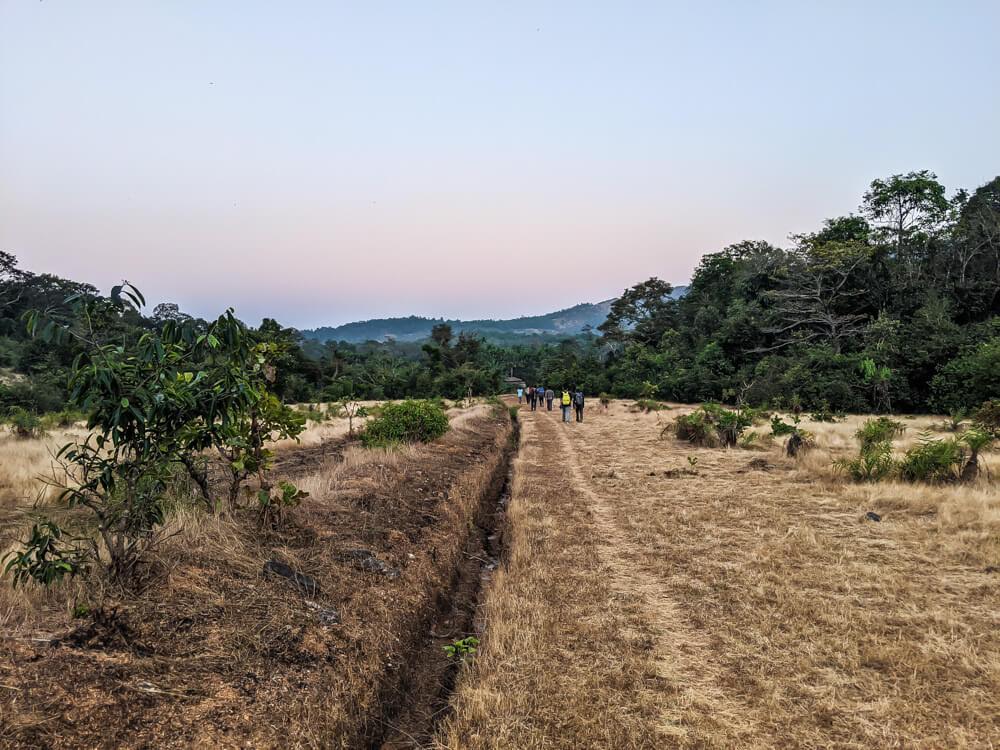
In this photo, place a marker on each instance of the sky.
(323, 162)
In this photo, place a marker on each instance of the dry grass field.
(652, 594)
(655, 601)
(215, 651)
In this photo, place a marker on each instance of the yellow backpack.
(566, 398)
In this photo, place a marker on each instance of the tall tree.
(642, 314)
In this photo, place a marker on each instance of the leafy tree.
(642, 314)
(157, 405)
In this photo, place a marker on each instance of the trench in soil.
(415, 704)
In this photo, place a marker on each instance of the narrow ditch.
(410, 720)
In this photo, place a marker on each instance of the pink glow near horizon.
(327, 164)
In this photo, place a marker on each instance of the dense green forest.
(896, 307)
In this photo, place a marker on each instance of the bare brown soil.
(213, 651)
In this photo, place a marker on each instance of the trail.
(683, 654)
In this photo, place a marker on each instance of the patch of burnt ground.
(327, 633)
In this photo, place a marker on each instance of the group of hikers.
(572, 397)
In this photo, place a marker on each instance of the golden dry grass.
(649, 607)
(25, 462)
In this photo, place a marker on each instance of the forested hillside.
(894, 307)
(569, 322)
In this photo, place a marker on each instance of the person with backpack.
(578, 405)
(566, 402)
(530, 393)
(550, 396)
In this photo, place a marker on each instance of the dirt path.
(683, 654)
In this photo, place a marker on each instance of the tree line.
(894, 307)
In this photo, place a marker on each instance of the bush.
(878, 430)
(45, 559)
(976, 440)
(824, 414)
(696, 428)
(753, 440)
(870, 465)
(712, 425)
(779, 427)
(24, 424)
(987, 417)
(647, 405)
(406, 422)
(933, 461)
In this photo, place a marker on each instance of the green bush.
(45, 559)
(878, 430)
(696, 428)
(712, 425)
(872, 464)
(406, 422)
(933, 461)
(779, 427)
(824, 414)
(976, 440)
(24, 424)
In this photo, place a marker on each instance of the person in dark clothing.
(578, 405)
(550, 396)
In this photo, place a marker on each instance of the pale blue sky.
(324, 162)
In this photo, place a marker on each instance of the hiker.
(520, 394)
(550, 396)
(578, 405)
(566, 401)
(532, 396)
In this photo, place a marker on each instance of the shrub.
(462, 648)
(24, 424)
(155, 404)
(779, 428)
(695, 428)
(824, 414)
(350, 409)
(954, 421)
(933, 461)
(712, 425)
(878, 430)
(406, 422)
(975, 440)
(647, 405)
(987, 417)
(44, 559)
(752, 440)
(870, 465)
(272, 502)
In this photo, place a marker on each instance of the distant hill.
(569, 322)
